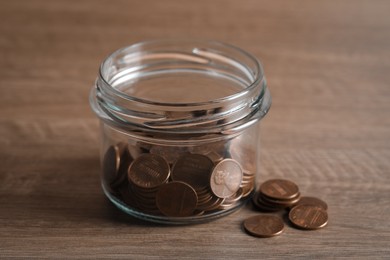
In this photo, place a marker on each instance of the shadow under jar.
(179, 128)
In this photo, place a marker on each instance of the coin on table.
(148, 171)
(264, 225)
(176, 199)
(194, 169)
(264, 206)
(308, 217)
(281, 203)
(226, 178)
(279, 189)
(312, 201)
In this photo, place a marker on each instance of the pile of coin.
(276, 195)
(176, 182)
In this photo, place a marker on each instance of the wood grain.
(327, 65)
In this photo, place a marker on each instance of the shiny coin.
(264, 225)
(226, 178)
(176, 199)
(312, 201)
(148, 171)
(308, 217)
(194, 169)
(279, 189)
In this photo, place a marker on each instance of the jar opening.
(179, 85)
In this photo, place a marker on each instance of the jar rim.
(258, 73)
(249, 102)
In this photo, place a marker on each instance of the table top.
(327, 64)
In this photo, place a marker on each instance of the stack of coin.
(145, 175)
(159, 180)
(276, 194)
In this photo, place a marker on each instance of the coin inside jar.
(148, 171)
(115, 162)
(264, 225)
(176, 199)
(194, 169)
(226, 178)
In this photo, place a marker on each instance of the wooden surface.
(328, 69)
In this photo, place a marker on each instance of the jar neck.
(224, 115)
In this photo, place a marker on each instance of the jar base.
(172, 220)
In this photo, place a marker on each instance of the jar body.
(180, 129)
(199, 161)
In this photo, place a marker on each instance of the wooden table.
(328, 69)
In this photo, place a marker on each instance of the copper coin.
(226, 178)
(281, 203)
(213, 203)
(264, 225)
(136, 150)
(279, 189)
(308, 217)
(194, 169)
(111, 161)
(176, 199)
(235, 197)
(245, 155)
(148, 171)
(171, 154)
(115, 163)
(312, 201)
(264, 206)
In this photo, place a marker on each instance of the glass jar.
(179, 128)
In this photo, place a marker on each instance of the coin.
(226, 178)
(136, 150)
(247, 183)
(148, 171)
(111, 161)
(115, 162)
(245, 155)
(264, 225)
(232, 201)
(312, 201)
(170, 153)
(211, 205)
(279, 189)
(176, 199)
(281, 203)
(308, 217)
(193, 169)
(263, 205)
